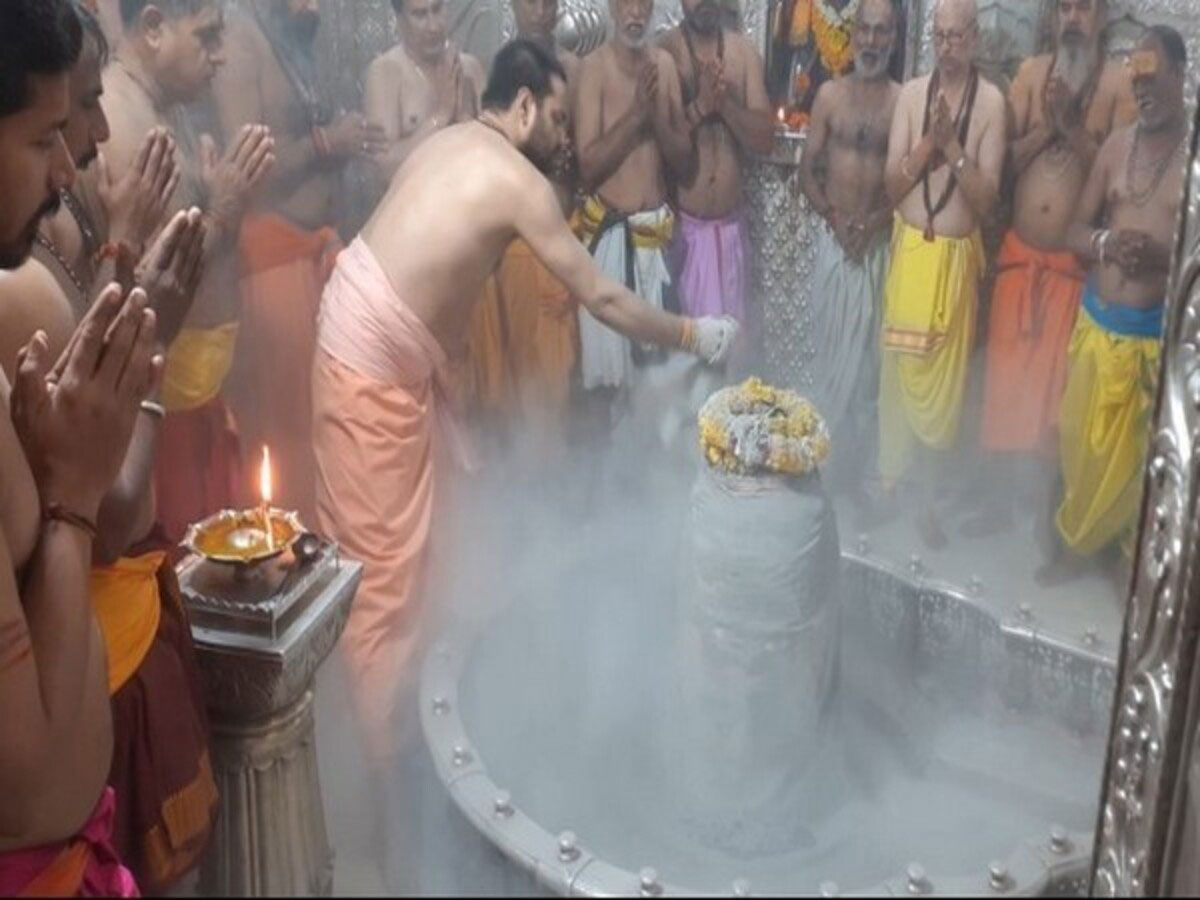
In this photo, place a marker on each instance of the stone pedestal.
(260, 643)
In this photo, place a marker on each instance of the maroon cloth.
(198, 470)
(166, 796)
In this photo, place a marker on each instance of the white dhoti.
(846, 301)
(631, 250)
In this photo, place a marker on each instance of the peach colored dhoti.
(378, 386)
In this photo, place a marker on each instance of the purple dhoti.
(710, 262)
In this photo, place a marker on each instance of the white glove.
(712, 339)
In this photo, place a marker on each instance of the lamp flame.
(264, 476)
(264, 488)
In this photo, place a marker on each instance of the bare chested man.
(157, 699)
(64, 429)
(422, 84)
(167, 57)
(725, 105)
(396, 306)
(843, 177)
(1123, 227)
(945, 152)
(630, 134)
(287, 240)
(1063, 105)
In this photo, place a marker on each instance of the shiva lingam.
(268, 601)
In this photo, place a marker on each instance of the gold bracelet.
(687, 340)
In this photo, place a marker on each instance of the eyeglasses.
(952, 38)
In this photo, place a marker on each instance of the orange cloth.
(198, 469)
(543, 342)
(283, 270)
(486, 379)
(127, 606)
(1034, 303)
(166, 796)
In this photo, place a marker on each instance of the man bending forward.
(392, 312)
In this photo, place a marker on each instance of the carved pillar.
(260, 637)
(271, 834)
(781, 259)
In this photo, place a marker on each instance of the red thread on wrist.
(118, 251)
(56, 512)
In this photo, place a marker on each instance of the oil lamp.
(245, 537)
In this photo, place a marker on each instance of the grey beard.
(870, 72)
(1073, 65)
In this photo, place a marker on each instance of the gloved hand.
(711, 338)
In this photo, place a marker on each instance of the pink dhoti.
(709, 257)
(85, 866)
(377, 387)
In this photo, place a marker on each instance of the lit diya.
(246, 536)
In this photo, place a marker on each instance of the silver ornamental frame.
(1144, 811)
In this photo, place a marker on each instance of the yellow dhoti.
(1104, 422)
(930, 296)
(198, 467)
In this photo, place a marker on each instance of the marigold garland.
(832, 31)
(754, 427)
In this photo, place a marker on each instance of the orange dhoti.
(378, 388)
(284, 268)
(543, 343)
(1034, 305)
(166, 797)
(198, 467)
(484, 380)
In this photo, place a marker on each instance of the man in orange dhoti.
(483, 374)
(521, 350)
(1064, 105)
(543, 347)
(379, 374)
(286, 246)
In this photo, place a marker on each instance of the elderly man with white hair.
(945, 153)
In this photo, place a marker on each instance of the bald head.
(955, 33)
(958, 11)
